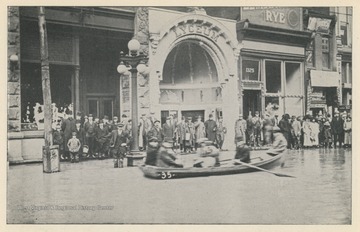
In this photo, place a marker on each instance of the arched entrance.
(190, 82)
(194, 68)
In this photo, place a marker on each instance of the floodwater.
(94, 192)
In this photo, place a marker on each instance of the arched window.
(189, 63)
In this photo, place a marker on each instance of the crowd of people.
(88, 137)
(300, 131)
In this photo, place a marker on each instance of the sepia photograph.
(179, 115)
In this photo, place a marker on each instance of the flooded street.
(94, 192)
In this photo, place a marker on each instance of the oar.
(261, 169)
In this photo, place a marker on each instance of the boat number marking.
(166, 175)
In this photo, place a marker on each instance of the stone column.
(77, 88)
(14, 87)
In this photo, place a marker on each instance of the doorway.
(100, 106)
(251, 102)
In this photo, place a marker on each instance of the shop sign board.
(344, 107)
(319, 25)
(250, 70)
(282, 17)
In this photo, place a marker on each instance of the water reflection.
(321, 194)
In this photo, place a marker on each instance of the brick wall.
(14, 87)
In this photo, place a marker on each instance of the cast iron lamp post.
(135, 63)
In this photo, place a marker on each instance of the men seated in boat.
(152, 151)
(208, 154)
(242, 151)
(280, 143)
(166, 157)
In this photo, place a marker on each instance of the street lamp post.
(135, 63)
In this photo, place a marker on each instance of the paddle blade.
(282, 175)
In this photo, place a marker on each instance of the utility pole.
(50, 153)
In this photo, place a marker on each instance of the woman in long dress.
(307, 132)
(347, 130)
(314, 133)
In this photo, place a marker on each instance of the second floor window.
(325, 53)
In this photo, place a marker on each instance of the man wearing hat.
(152, 151)
(90, 135)
(199, 131)
(156, 131)
(327, 135)
(180, 132)
(189, 135)
(220, 132)
(240, 129)
(166, 157)
(80, 134)
(144, 127)
(119, 141)
(257, 122)
(210, 128)
(337, 129)
(102, 135)
(115, 121)
(168, 130)
(207, 149)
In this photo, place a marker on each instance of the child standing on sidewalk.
(74, 147)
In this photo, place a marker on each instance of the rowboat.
(264, 161)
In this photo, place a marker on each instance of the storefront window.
(273, 76)
(31, 88)
(250, 70)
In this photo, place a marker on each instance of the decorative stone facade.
(14, 87)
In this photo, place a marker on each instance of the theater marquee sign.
(195, 28)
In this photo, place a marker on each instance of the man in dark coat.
(337, 129)
(90, 135)
(102, 134)
(68, 126)
(156, 131)
(210, 128)
(166, 157)
(119, 141)
(152, 151)
(168, 130)
(285, 128)
(58, 138)
(80, 134)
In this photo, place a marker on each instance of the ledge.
(25, 135)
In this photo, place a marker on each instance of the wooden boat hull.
(171, 173)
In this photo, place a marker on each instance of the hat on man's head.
(189, 118)
(73, 133)
(168, 118)
(256, 112)
(210, 115)
(156, 121)
(106, 117)
(120, 125)
(276, 129)
(167, 145)
(78, 121)
(240, 115)
(143, 114)
(90, 115)
(123, 116)
(153, 139)
(101, 121)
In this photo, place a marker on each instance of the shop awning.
(321, 78)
